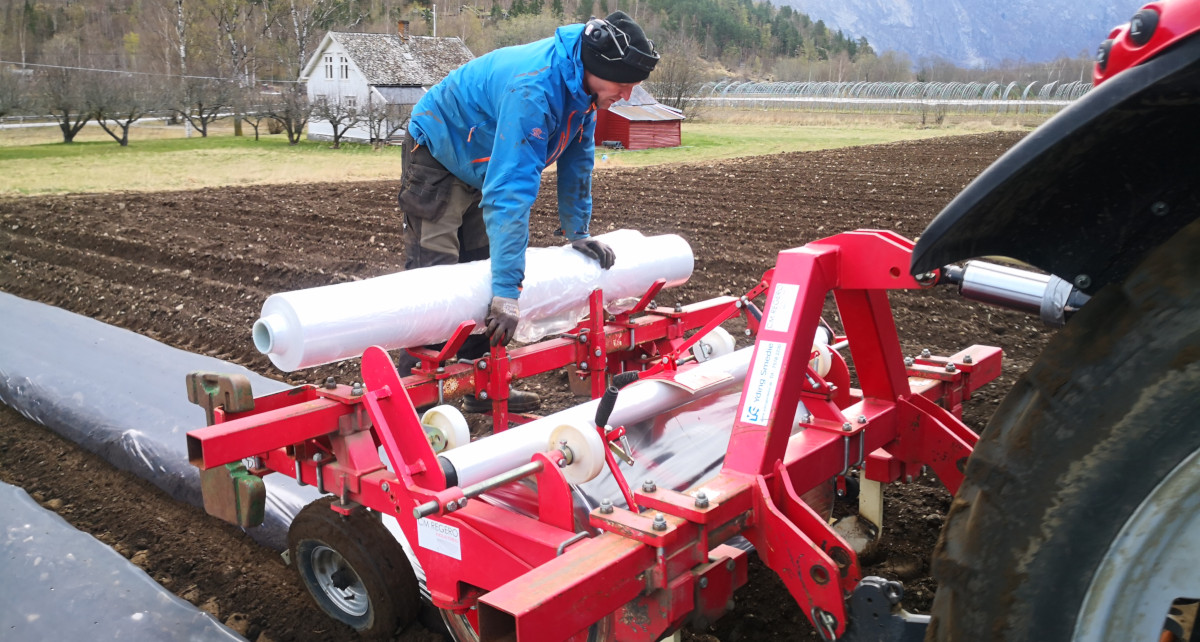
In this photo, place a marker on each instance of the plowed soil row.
(191, 269)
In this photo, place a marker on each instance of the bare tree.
(342, 113)
(13, 93)
(203, 101)
(384, 120)
(291, 109)
(118, 101)
(678, 76)
(252, 108)
(304, 22)
(60, 94)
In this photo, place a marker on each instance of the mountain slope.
(974, 32)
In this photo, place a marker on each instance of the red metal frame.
(652, 576)
(629, 343)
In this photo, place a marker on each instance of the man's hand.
(502, 318)
(594, 249)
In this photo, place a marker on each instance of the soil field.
(192, 269)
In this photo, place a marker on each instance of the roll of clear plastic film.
(306, 328)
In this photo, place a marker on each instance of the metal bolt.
(483, 394)
(968, 360)
(950, 367)
(701, 500)
(451, 506)
(653, 305)
(462, 503)
(357, 389)
(737, 305)
(481, 364)
(846, 427)
(908, 479)
(330, 383)
(385, 487)
(862, 419)
(440, 370)
(606, 506)
(598, 352)
(660, 522)
(747, 331)
(703, 582)
(729, 566)
(805, 418)
(1160, 209)
(583, 365)
(318, 457)
(679, 306)
(648, 486)
(1083, 281)
(925, 354)
(908, 361)
(583, 337)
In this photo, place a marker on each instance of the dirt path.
(192, 269)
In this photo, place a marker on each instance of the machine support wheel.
(1078, 518)
(354, 569)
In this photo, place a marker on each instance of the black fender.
(1088, 193)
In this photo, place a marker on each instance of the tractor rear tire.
(354, 569)
(1079, 518)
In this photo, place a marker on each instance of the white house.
(362, 71)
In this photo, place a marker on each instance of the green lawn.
(159, 158)
(707, 141)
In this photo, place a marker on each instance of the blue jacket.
(497, 122)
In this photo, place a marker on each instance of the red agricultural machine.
(1075, 516)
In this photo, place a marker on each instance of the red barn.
(639, 123)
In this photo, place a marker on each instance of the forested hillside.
(270, 39)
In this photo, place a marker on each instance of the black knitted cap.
(616, 49)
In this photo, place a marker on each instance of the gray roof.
(642, 106)
(388, 59)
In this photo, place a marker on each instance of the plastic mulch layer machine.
(564, 527)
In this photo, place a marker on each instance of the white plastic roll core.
(306, 328)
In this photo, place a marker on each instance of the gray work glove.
(502, 318)
(594, 249)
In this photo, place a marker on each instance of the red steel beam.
(252, 435)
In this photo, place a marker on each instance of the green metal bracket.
(233, 494)
(211, 390)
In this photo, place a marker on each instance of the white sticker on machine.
(763, 381)
(779, 315)
(439, 537)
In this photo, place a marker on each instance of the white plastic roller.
(587, 450)
(449, 421)
(306, 328)
(717, 343)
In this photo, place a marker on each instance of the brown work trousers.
(443, 225)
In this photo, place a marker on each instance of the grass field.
(33, 160)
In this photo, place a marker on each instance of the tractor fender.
(1087, 194)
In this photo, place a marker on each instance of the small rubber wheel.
(354, 569)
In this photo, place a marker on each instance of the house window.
(329, 66)
(352, 101)
(345, 66)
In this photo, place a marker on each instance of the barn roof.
(641, 106)
(388, 59)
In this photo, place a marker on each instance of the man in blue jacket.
(477, 144)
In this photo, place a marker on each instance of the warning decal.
(779, 316)
(439, 537)
(762, 382)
